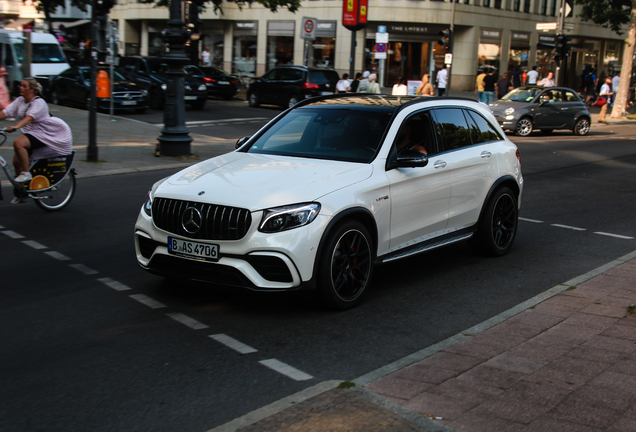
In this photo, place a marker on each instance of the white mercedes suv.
(332, 187)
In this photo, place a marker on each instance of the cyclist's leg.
(21, 147)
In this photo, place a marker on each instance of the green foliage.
(273, 5)
(346, 385)
(607, 13)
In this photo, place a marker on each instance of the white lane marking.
(530, 220)
(57, 256)
(117, 286)
(83, 269)
(1, 227)
(186, 320)
(230, 342)
(211, 122)
(12, 234)
(286, 369)
(614, 235)
(568, 227)
(150, 302)
(34, 244)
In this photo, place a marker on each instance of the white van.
(47, 57)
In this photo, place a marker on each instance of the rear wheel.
(524, 127)
(346, 266)
(253, 100)
(498, 227)
(58, 196)
(582, 126)
(293, 100)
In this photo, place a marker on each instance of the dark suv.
(149, 73)
(287, 85)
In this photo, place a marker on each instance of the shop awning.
(70, 24)
(18, 23)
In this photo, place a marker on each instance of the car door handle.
(485, 154)
(440, 164)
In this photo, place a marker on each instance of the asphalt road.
(79, 353)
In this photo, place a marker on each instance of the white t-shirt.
(442, 77)
(205, 56)
(533, 75)
(342, 86)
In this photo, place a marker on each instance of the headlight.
(510, 117)
(164, 87)
(509, 111)
(147, 207)
(288, 217)
(202, 87)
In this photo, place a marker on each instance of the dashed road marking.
(34, 244)
(186, 320)
(286, 369)
(614, 235)
(84, 269)
(530, 220)
(57, 256)
(12, 234)
(150, 302)
(568, 227)
(230, 342)
(117, 286)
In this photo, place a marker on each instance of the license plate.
(224, 83)
(190, 98)
(129, 103)
(326, 93)
(189, 249)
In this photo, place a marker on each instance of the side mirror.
(410, 159)
(240, 142)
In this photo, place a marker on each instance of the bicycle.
(53, 184)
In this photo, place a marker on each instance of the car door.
(64, 85)
(473, 162)
(572, 107)
(267, 85)
(419, 197)
(549, 112)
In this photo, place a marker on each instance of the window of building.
(553, 8)
(497, 4)
(544, 7)
(526, 6)
(516, 5)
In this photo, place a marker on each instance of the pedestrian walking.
(547, 81)
(205, 57)
(615, 83)
(490, 82)
(442, 79)
(399, 88)
(533, 76)
(607, 93)
(479, 86)
(516, 77)
(342, 86)
(373, 86)
(503, 86)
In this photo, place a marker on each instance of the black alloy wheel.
(498, 227)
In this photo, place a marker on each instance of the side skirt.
(426, 246)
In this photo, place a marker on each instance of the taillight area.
(210, 80)
(518, 156)
(310, 86)
(234, 82)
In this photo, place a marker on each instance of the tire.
(582, 126)
(55, 98)
(154, 100)
(253, 100)
(497, 229)
(55, 200)
(293, 100)
(524, 127)
(345, 266)
(198, 105)
(547, 131)
(631, 107)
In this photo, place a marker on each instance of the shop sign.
(521, 37)
(408, 29)
(325, 29)
(354, 14)
(490, 36)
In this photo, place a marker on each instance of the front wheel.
(524, 127)
(498, 227)
(253, 100)
(582, 126)
(58, 196)
(346, 266)
(293, 100)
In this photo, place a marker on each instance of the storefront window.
(215, 43)
(612, 55)
(280, 51)
(488, 55)
(244, 61)
(409, 60)
(324, 52)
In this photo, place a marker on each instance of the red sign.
(380, 47)
(354, 14)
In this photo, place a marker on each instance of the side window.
(487, 130)
(570, 97)
(290, 74)
(417, 134)
(475, 133)
(270, 76)
(452, 128)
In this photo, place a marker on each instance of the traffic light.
(562, 48)
(445, 39)
(103, 7)
(194, 19)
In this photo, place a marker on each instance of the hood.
(122, 86)
(256, 181)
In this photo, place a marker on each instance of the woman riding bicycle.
(44, 136)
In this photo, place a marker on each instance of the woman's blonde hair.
(34, 84)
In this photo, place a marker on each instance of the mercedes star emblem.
(191, 220)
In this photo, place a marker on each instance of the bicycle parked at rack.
(53, 184)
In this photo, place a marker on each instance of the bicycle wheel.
(631, 107)
(57, 197)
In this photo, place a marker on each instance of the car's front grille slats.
(217, 222)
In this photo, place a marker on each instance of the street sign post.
(308, 30)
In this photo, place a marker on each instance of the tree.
(48, 7)
(615, 14)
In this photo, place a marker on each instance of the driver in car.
(408, 138)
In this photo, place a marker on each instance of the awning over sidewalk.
(18, 23)
(71, 23)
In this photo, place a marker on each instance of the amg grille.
(215, 223)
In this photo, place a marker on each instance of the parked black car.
(72, 87)
(218, 82)
(287, 85)
(149, 73)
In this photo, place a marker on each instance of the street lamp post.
(175, 139)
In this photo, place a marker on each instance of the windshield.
(19, 50)
(157, 66)
(522, 94)
(47, 53)
(326, 133)
(214, 72)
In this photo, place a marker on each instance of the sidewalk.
(562, 361)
